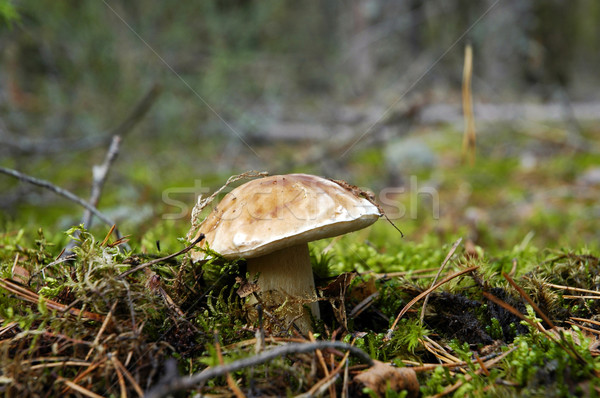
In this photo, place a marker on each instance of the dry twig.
(158, 260)
(182, 383)
(60, 191)
(100, 172)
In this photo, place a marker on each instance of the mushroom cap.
(272, 213)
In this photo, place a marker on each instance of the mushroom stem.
(286, 274)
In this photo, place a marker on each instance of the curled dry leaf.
(339, 285)
(382, 376)
(246, 288)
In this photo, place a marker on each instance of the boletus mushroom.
(269, 222)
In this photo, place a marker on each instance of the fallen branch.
(99, 173)
(60, 191)
(183, 383)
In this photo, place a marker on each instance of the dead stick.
(60, 191)
(183, 383)
(99, 174)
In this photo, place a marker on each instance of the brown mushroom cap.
(276, 212)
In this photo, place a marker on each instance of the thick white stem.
(287, 275)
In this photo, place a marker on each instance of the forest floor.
(494, 290)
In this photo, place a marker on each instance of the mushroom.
(269, 222)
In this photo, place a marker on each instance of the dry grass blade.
(121, 379)
(484, 368)
(448, 256)
(107, 237)
(320, 358)
(517, 313)
(128, 375)
(489, 364)
(59, 364)
(573, 289)
(561, 342)
(324, 382)
(593, 322)
(158, 260)
(529, 300)
(468, 148)
(81, 390)
(425, 293)
(8, 327)
(86, 372)
(595, 331)
(102, 328)
(438, 351)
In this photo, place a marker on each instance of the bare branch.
(60, 191)
(183, 383)
(100, 173)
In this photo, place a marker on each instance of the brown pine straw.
(79, 389)
(573, 289)
(562, 342)
(584, 327)
(593, 322)
(438, 351)
(28, 295)
(529, 300)
(118, 365)
(121, 379)
(102, 328)
(323, 382)
(321, 360)
(417, 367)
(230, 382)
(59, 364)
(83, 374)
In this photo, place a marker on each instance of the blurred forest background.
(366, 90)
